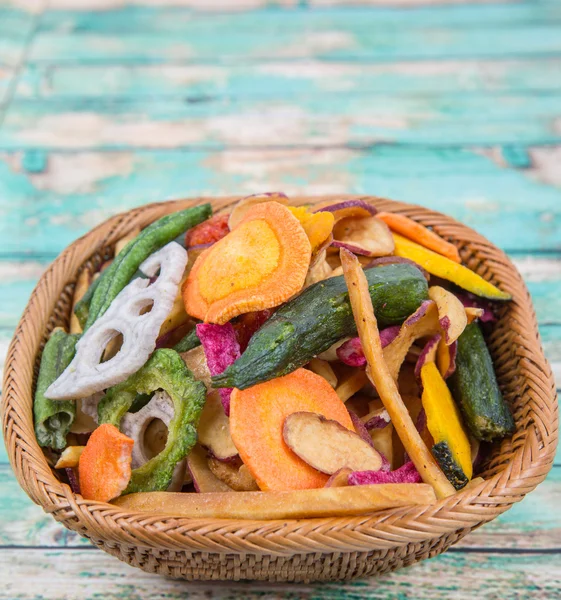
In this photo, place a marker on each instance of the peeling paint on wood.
(290, 79)
(78, 189)
(335, 44)
(186, 21)
(425, 120)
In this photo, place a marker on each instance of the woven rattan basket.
(290, 550)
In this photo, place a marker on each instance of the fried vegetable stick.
(294, 504)
(82, 285)
(381, 378)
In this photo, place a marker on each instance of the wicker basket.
(289, 550)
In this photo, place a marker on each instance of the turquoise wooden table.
(106, 105)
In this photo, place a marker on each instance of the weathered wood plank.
(533, 524)
(61, 195)
(334, 43)
(286, 80)
(206, 6)
(314, 120)
(11, 49)
(15, 21)
(23, 523)
(6, 76)
(185, 21)
(89, 574)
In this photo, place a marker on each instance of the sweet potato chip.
(326, 445)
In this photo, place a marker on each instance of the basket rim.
(528, 466)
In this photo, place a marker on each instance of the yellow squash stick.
(381, 378)
(294, 504)
(447, 269)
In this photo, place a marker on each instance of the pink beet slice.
(405, 474)
(221, 350)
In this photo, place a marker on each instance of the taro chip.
(221, 350)
(365, 236)
(349, 208)
(405, 474)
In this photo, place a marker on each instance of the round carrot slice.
(105, 464)
(257, 417)
(260, 264)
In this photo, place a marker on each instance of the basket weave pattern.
(289, 550)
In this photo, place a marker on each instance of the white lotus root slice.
(89, 405)
(86, 413)
(135, 425)
(86, 374)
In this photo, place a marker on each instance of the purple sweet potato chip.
(221, 350)
(377, 421)
(351, 354)
(360, 428)
(470, 300)
(405, 474)
(349, 208)
(73, 480)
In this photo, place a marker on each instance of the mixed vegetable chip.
(274, 361)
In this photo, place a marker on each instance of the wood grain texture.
(335, 44)
(289, 80)
(61, 194)
(89, 574)
(274, 17)
(425, 120)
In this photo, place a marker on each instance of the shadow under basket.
(290, 550)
